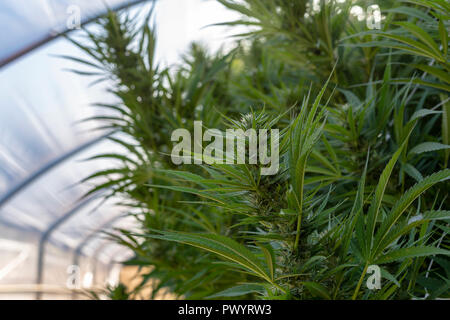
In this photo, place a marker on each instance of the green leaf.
(406, 226)
(420, 34)
(422, 113)
(354, 219)
(385, 274)
(405, 201)
(379, 192)
(410, 253)
(412, 12)
(413, 46)
(444, 36)
(428, 147)
(317, 289)
(437, 72)
(445, 125)
(409, 196)
(436, 215)
(412, 172)
(220, 245)
(239, 290)
(269, 255)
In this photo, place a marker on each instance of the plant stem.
(300, 205)
(355, 294)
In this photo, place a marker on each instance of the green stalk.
(445, 126)
(300, 204)
(339, 279)
(355, 294)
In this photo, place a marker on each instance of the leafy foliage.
(363, 175)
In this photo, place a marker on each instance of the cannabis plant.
(363, 146)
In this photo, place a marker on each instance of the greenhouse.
(224, 149)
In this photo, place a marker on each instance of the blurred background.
(52, 239)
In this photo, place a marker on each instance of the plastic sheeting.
(47, 230)
(29, 23)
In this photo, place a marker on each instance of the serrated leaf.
(411, 253)
(269, 255)
(435, 71)
(239, 290)
(317, 289)
(443, 34)
(412, 172)
(420, 34)
(220, 245)
(428, 147)
(379, 193)
(405, 201)
(422, 113)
